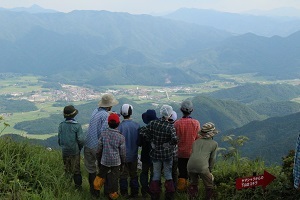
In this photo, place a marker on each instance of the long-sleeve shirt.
(70, 137)
(296, 170)
(112, 147)
(130, 130)
(162, 136)
(187, 132)
(98, 123)
(203, 156)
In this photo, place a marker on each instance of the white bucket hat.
(166, 111)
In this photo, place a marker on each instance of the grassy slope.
(33, 172)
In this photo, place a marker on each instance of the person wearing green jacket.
(71, 140)
(202, 160)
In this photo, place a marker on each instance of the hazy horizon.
(154, 6)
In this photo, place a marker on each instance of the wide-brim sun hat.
(70, 111)
(108, 100)
(208, 130)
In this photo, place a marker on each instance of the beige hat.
(108, 100)
(208, 130)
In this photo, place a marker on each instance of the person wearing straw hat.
(98, 123)
(71, 140)
(202, 161)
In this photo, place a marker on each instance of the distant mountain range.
(32, 9)
(241, 23)
(106, 48)
(287, 12)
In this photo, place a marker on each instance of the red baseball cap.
(114, 117)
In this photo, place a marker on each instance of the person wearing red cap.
(112, 153)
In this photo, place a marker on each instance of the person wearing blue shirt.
(98, 123)
(130, 130)
(296, 170)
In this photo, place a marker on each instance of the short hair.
(113, 124)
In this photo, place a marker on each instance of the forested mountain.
(15, 106)
(106, 48)
(251, 93)
(269, 139)
(226, 114)
(86, 44)
(238, 23)
(276, 109)
(276, 57)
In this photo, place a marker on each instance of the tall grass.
(33, 172)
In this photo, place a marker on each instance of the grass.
(33, 172)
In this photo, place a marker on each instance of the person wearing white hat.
(130, 130)
(162, 136)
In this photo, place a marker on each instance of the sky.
(153, 6)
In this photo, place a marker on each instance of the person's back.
(111, 156)
(203, 153)
(71, 140)
(296, 168)
(147, 166)
(130, 130)
(187, 130)
(98, 123)
(71, 137)
(162, 135)
(202, 161)
(110, 141)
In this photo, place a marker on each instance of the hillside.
(269, 139)
(251, 93)
(227, 114)
(276, 109)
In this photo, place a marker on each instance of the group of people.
(179, 149)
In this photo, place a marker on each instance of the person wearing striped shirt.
(98, 123)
